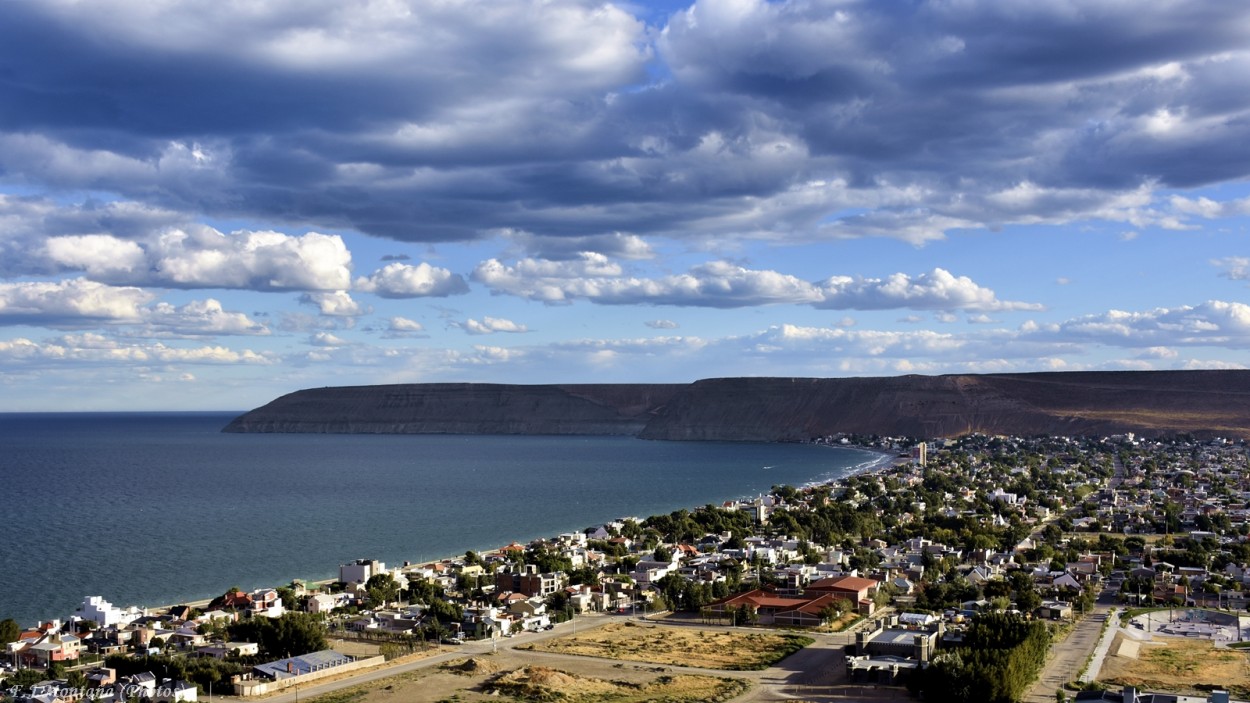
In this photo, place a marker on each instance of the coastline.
(880, 460)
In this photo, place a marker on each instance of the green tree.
(9, 630)
(290, 635)
(382, 589)
(287, 595)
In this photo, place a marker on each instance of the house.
(104, 614)
(51, 648)
(1054, 610)
(528, 581)
(360, 571)
(857, 590)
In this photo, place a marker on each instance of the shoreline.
(880, 460)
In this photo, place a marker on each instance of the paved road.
(1068, 657)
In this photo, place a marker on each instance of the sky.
(205, 205)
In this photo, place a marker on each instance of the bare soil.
(1181, 665)
(512, 676)
(677, 646)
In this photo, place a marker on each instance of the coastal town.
(980, 568)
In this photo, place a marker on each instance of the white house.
(360, 571)
(104, 614)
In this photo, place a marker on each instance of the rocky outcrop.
(1204, 403)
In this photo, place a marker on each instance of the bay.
(158, 508)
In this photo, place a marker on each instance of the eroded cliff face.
(1206, 403)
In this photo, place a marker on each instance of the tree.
(9, 630)
(290, 635)
(663, 553)
(288, 597)
(382, 589)
(76, 680)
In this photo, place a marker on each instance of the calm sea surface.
(150, 509)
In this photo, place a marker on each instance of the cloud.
(338, 303)
(75, 301)
(490, 325)
(1213, 323)
(720, 284)
(405, 281)
(326, 339)
(98, 350)
(404, 325)
(200, 318)
(935, 290)
(196, 256)
(614, 245)
(661, 324)
(81, 304)
(572, 119)
(1236, 268)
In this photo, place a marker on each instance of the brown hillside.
(1205, 403)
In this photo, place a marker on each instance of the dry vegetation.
(679, 646)
(535, 683)
(1182, 665)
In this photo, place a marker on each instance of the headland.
(1155, 403)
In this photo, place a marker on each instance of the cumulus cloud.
(199, 318)
(491, 325)
(100, 350)
(935, 290)
(1213, 323)
(661, 324)
(72, 301)
(337, 303)
(79, 303)
(196, 256)
(403, 324)
(720, 284)
(398, 280)
(326, 339)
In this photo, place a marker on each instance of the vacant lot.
(509, 677)
(535, 683)
(731, 650)
(1181, 665)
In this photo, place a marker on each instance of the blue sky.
(204, 205)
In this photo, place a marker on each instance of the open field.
(1181, 665)
(509, 677)
(535, 683)
(730, 650)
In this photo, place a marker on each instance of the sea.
(154, 509)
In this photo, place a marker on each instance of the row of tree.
(1001, 657)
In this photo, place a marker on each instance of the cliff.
(1153, 403)
(462, 408)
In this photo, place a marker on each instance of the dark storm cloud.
(447, 122)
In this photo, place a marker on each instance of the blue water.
(150, 509)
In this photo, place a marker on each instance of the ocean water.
(151, 509)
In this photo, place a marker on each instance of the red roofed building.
(853, 588)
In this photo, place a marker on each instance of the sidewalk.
(1104, 645)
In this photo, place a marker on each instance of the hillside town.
(905, 561)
